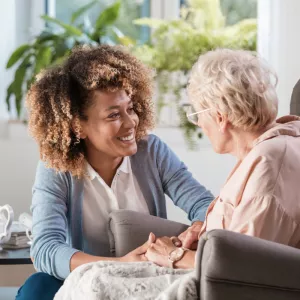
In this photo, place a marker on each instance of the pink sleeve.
(263, 217)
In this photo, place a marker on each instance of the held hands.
(189, 238)
(160, 252)
(157, 250)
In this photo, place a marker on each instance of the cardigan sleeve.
(49, 249)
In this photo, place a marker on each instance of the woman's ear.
(82, 135)
(222, 122)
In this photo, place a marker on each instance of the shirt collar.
(124, 167)
(287, 125)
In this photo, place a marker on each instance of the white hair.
(236, 83)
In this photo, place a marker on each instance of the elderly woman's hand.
(189, 238)
(159, 251)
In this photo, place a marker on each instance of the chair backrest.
(129, 230)
(295, 100)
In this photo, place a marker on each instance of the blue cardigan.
(57, 202)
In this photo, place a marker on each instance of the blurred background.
(168, 35)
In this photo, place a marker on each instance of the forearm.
(198, 223)
(80, 258)
(187, 261)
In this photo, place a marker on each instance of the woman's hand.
(189, 238)
(159, 251)
(139, 253)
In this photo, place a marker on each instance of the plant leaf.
(19, 82)
(121, 38)
(69, 28)
(82, 10)
(17, 54)
(45, 36)
(29, 82)
(108, 16)
(9, 92)
(43, 59)
(16, 87)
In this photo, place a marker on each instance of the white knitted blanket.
(138, 280)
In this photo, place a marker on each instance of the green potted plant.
(176, 44)
(55, 42)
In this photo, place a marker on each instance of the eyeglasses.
(192, 115)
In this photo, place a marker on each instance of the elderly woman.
(234, 102)
(90, 118)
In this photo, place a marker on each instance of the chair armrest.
(129, 230)
(234, 264)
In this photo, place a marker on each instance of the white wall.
(278, 24)
(18, 161)
(8, 39)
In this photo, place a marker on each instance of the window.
(130, 10)
(236, 10)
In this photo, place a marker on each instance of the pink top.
(261, 196)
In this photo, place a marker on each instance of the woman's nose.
(130, 121)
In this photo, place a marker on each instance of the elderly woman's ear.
(222, 122)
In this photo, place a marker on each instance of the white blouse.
(100, 200)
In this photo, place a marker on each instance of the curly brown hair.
(57, 101)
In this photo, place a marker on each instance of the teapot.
(5, 223)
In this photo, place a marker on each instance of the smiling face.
(111, 125)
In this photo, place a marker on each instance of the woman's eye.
(131, 110)
(114, 116)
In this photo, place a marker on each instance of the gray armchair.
(228, 265)
(295, 100)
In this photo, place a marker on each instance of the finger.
(182, 235)
(176, 241)
(156, 256)
(287, 119)
(194, 246)
(143, 257)
(190, 238)
(162, 240)
(151, 251)
(142, 249)
(151, 238)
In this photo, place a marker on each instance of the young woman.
(90, 118)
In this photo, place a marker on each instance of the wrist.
(120, 259)
(187, 261)
(197, 223)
